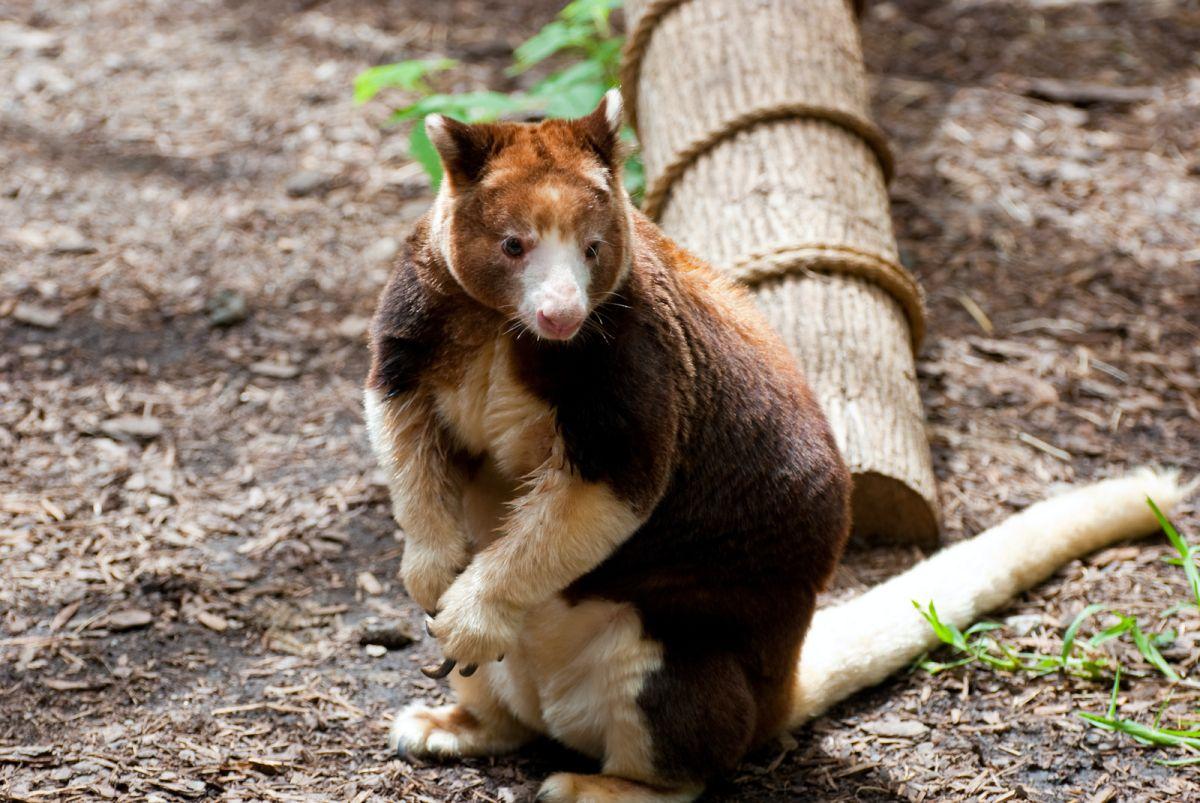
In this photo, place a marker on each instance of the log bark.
(761, 157)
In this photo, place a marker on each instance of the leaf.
(607, 53)
(582, 25)
(552, 38)
(407, 75)
(595, 11)
(421, 149)
(469, 107)
(573, 92)
(635, 171)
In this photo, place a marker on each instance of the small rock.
(32, 315)
(1073, 171)
(226, 308)
(896, 728)
(184, 788)
(1023, 624)
(369, 584)
(114, 732)
(287, 244)
(18, 624)
(132, 427)
(306, 182)
(212, 621)
(381, 251)
(128, 619)
(375, 650)
(42, 78)
(75, 684)
(326, 71)
(26, 752)
(32, 237)
(16, 37)
(66, 240)
(353, 327)
(391, 635)
(275, 370)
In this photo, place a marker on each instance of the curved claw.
(439, 672)
(429, 627)
(468, 670)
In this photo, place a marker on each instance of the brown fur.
(673, 458)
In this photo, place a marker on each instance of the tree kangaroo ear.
(601, 130)
(464, 149)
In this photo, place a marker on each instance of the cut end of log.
(886, 510)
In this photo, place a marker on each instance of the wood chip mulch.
(198, 593)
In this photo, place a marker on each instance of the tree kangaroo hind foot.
(476, 726)
(566, 787)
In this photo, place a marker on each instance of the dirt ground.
(194, 223)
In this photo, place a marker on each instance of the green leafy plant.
(581, 31)
(975, 645)
(1079, 658)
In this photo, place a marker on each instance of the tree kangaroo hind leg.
(696, 719)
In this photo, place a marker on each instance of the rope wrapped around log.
(762, 158)
(748, 111)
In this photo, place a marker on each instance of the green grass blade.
(1112, 701)
(1144, 733)
(1151, 653)
(1122, 627)
(1073, 628)
(1177, 762)
(1184, 549)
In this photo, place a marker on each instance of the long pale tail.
(859, 643)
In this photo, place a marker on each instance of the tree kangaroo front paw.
(427, 571)
(472, 626)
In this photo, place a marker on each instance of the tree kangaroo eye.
(512, 247)
(593, 249)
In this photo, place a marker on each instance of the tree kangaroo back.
(620, 499)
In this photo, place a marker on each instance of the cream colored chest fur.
(490, 414)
